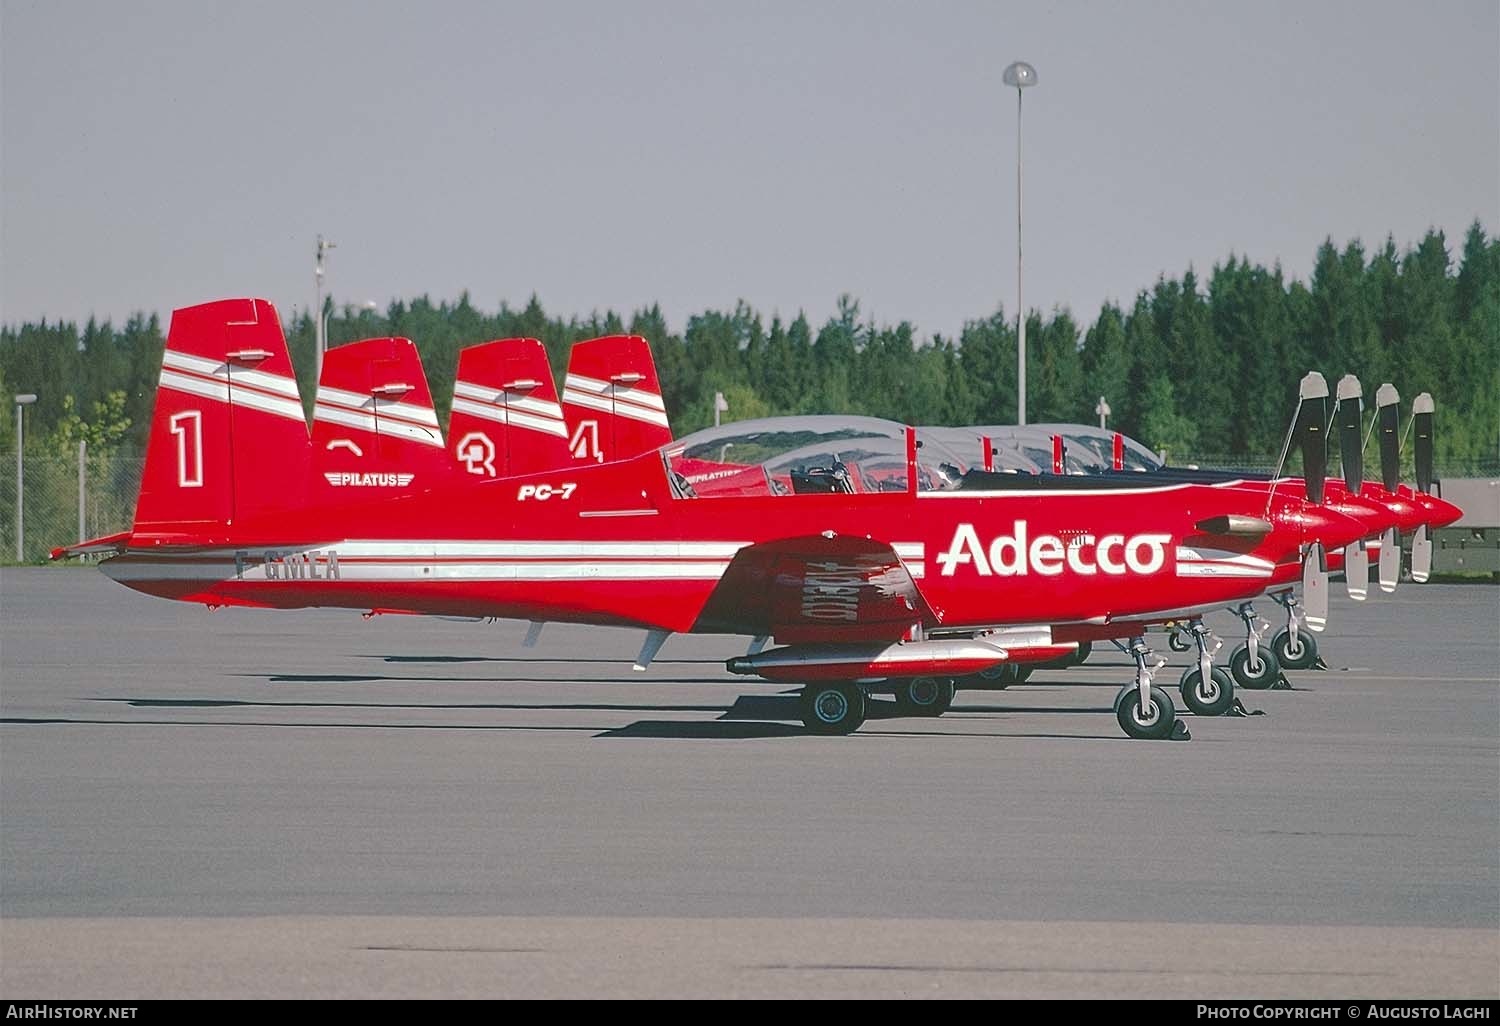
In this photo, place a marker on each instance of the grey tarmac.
(257, 803)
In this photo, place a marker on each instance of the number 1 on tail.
(187, 426)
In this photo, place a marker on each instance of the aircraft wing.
(818, 588)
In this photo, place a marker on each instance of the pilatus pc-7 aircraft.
(781, 455)
(863, 591)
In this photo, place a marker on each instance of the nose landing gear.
(1206, 689)
(1293, 647)
(1254, 665)
(1142, 710)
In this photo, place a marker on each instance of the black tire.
(1158, 727)
(1304, 659)
(1213, 699)
(925, 696)
(996, 678)
(1082, 655)
(1268, 673)
(1022, 673)
(835, 708)
(1178, 642)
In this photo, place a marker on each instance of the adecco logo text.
(1011, 555)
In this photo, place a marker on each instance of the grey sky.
(605, 155)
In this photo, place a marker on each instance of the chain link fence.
(51, 490)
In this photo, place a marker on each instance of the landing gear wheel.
(1177, 642)
(1254, 678)
(996, 678)
(1082, 655)
(1305, 657)
(837, 708)
(1156, 725)
(1212, 698)
(1023, 672)
(925, 696)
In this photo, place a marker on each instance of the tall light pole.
(323, 246)
(368, 304)
(22, 401)
(1019, 74)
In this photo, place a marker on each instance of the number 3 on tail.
(585, 442)
(188, 427)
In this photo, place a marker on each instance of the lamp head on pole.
(1020, 74)
(25, 399)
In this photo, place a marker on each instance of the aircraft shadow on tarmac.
(752, 717)
(532, 659)
(375, 678)
(231, 703)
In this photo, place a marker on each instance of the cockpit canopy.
(810, 455)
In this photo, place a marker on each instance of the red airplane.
(867, 461)
(851, 455)
(618, 412)
(228, 514)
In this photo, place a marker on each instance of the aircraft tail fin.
(612, 400)
(228, 436)
(374, 425)
(506, 419)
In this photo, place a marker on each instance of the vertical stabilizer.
(506, 418)
(375, 431)
(228, 436)
(612, 400)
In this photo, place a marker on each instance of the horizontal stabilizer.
(109, 545)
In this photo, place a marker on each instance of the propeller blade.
(1390, 559)
(1421, 414)
(1388, 422)
(1347, 416)
(1357, 571)
(1309, 431)
(1421, 555)
(1315, 588)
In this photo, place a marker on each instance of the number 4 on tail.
(188, 427)
(585, 442)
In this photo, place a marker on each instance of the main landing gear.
(995, 678)
(1142, 710)
(1293, 647)
(837, 707)
(840, 707)
(925, 696)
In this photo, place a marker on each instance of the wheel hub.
(923, 691)
(831, 707)
(1153, 712)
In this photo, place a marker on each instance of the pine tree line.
(1192, 366)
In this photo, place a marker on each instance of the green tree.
(1162, 427)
